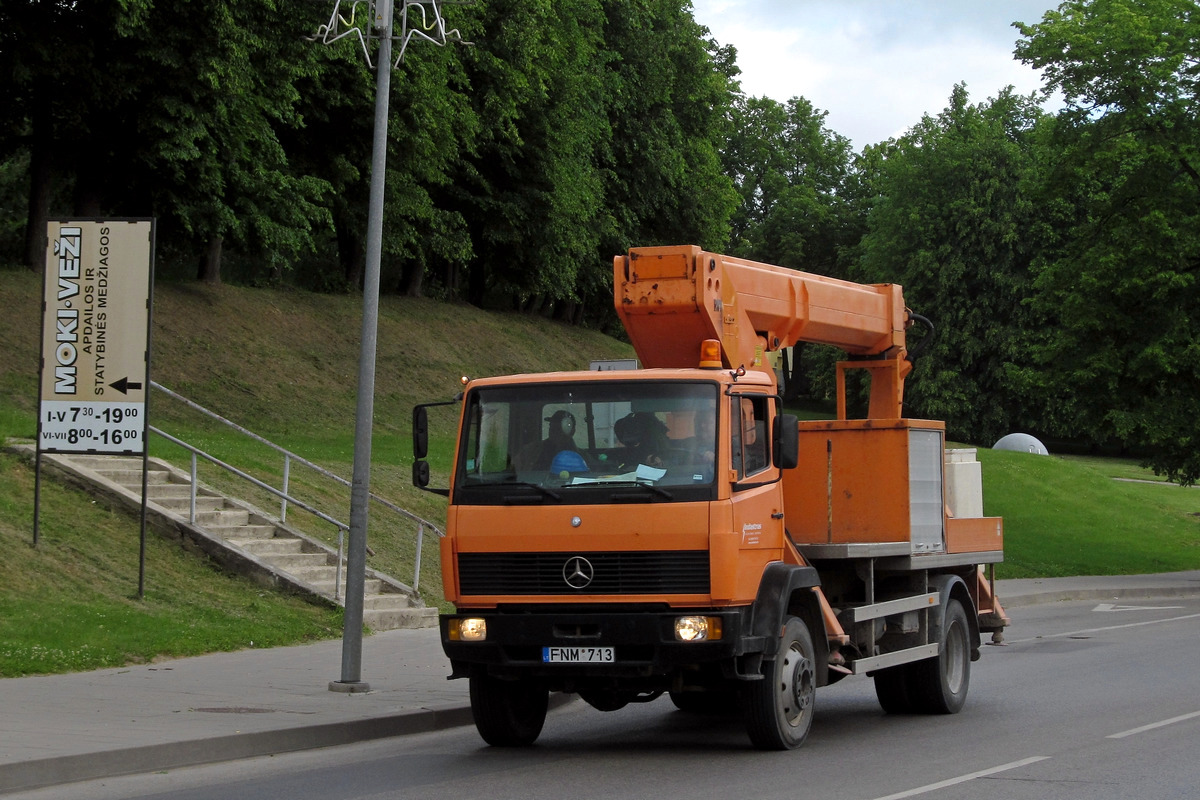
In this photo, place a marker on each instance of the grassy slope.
(1066, 516)
(285, 364)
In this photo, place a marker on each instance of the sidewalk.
(144, 718)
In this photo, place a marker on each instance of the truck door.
(757, 500)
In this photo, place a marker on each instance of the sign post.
(95, 366)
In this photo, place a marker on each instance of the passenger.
(644, 439)
(560, 437)
(700, 448)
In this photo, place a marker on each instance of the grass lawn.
(1070, 516)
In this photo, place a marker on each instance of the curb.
(45, 772)
(1067, 595)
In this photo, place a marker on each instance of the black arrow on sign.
(124, 384)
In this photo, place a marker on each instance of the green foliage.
(1118, 271)
(952, 224)
(1056, 255)
(516, 168)
(790, 171)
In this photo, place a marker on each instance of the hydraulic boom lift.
(625, 534)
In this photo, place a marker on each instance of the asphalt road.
(1086, 700)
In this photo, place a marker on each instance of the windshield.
(580, 442)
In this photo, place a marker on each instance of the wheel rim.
(795, 687)
(956, 648)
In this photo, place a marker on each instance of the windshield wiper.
(553, 495)
(658, 490)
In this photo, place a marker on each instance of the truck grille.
(657, 572)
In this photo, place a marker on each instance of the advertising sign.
(95, 336)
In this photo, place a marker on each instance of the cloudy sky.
(876, 66)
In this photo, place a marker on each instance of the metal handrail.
(195, 451)
(283, 493)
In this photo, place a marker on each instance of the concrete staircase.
(239, 536)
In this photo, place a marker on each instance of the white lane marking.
(963, 779)
(1101, 630)
(1154, 725)
(1105, 607)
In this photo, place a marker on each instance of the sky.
(876, 66)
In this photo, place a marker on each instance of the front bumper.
(643, 642)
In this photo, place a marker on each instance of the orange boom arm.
(670, 299)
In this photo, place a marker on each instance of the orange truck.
(624, 534)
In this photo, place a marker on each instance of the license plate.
(578, 655)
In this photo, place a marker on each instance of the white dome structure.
(1021, 443)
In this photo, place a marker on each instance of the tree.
(530, 189)
(122, 101)
(952, 223)
(1120, 274)
(789, 170)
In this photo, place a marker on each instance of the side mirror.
(785, 441)
(420, 474)
(420, 438)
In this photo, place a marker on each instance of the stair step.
(424, 617)
(100, 463)
(278, 545)
(133, 477)
(289, 562)
(317, 574)
(170, 491)
(371, 586)
(387, 601)
(183, 505)
(242, 531)
(224, 518)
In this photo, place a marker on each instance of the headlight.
(469, 629)
(697, 629)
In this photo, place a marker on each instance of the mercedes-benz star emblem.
(578, 572)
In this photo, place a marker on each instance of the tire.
(779, 708)
(508, 713)
(892, 689)
(939, 685)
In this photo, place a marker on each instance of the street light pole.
(381, 27)
(360, 489)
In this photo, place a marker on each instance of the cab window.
(749, 437)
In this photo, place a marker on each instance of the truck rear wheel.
(939, 685)
(508, 713)
(892, 689)
(779, 708)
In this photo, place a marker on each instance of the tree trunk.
(476, 285)
(351, 254)
(413, 277)
(87, 187)
(210, 268)
(40, 183)
(796, 381)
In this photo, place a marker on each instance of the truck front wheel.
(779, 708)
(508, 713)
